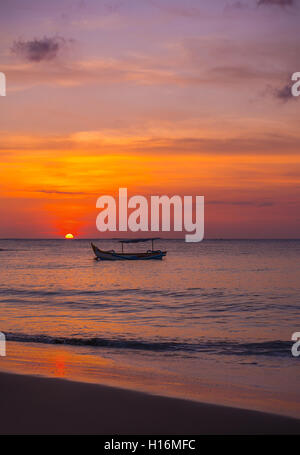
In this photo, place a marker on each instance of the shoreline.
(63, 362)
(40, 405)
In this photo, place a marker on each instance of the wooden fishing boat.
(112, 255)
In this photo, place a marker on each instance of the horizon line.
(161, 238)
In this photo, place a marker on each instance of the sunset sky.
(160, 96)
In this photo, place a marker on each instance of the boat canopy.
(149, 239)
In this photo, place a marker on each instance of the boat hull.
(114, 256)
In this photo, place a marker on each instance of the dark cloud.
(270, 144)
(38, 50)
(65, 193)
(284, 93)
(281, 3)
(241, 203)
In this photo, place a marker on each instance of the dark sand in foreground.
(34, 405)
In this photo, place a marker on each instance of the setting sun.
(69, 236)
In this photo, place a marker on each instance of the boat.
(112, 255)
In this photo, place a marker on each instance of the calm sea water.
(212, 321)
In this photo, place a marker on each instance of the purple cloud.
(38, 50)
(281, 3)
(284, 93)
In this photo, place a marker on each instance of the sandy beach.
(35, 405)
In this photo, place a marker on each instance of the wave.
(265, 348)
(201, 293)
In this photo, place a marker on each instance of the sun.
(69, 236)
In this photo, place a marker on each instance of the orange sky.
(160, 97)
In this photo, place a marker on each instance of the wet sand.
(35, 405)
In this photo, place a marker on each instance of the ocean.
(211, 322)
